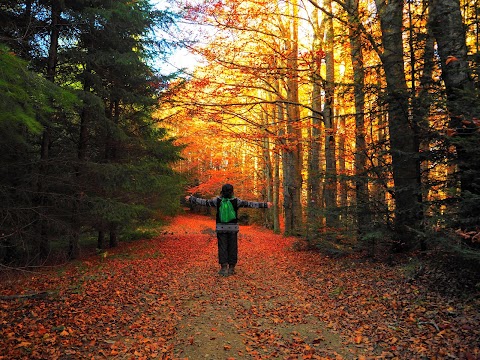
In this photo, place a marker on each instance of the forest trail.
(162, 299)
(264, 311)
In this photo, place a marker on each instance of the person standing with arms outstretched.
(227, 224)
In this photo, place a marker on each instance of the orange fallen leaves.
(279, 305)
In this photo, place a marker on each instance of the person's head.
(227, 191)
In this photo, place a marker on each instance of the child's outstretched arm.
(253, 204)
(200, 201)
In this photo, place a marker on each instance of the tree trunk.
(314, 203)
(342, 167)
(113, 236)
(378, 196)
(421, 100)
(328, 118)
(112, 156)
(462, 104)
(101, 239)
(278, 118)
(74, 246)
(402, 137)
(292, 154)
(55, 12)
(267, 169)
(361, 177)
(276, 191)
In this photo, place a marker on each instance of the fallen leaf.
(450, 59)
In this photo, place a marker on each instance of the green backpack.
(226, 211)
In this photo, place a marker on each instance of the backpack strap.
(234, 203)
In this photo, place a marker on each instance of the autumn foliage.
(162, 299)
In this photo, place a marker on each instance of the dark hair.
(227, 191)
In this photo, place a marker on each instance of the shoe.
(223, 270)
(231, 270)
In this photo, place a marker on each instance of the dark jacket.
(236, 202)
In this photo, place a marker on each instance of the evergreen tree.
(26, 104)
(104, 164)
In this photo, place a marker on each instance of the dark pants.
(227, 248)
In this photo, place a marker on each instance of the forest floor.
(163, 299)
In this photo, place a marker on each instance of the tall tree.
(402, 137)
(115, 71)
(462, 102)
(101, 50)
(361, 177)
(292, 154)
(50, 72)
(29, 101)
(315, 199)
(330, 190)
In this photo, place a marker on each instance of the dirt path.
(264, 310)
(162, 299)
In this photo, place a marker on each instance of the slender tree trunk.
(402, 137)
(314, 203)
(277, 118)
(27, 29)
(267, 168)
(113, 235)
(380, 211)
(292, 154)
(328, 118)
(113, 228)
(342, 166)
(74, 245)
(276, 190)
(361, 177)
(101, 240)
(55, 12)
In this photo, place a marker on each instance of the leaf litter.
(162, 299)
